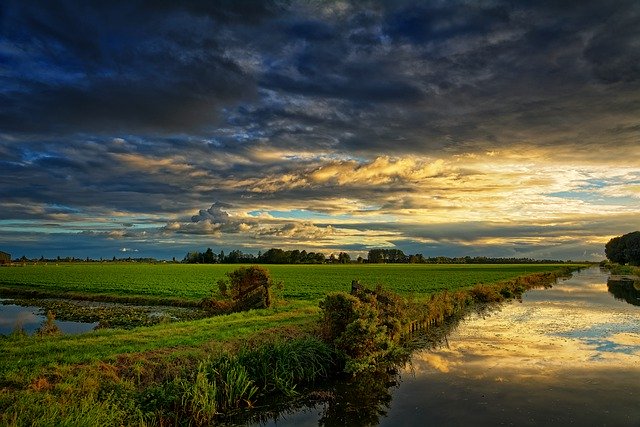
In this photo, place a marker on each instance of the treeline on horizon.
(280, 256)
(374, 256)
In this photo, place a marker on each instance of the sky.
(448, 128)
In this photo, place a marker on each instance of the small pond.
(78, 316)
(569, 355)
(30, 318)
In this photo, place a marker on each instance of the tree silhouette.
(624, 249)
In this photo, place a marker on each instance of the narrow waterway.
(569, 355)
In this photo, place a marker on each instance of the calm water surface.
(31, 318)
(569, 355)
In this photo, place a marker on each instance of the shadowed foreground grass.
(24, 355)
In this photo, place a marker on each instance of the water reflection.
(567, 355)
(29, 319)
(625, 289)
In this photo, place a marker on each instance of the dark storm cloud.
(123, 66)
(429, 74)
(439, 76)
(162, 107)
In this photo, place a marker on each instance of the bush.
(49, 327)
(364, 326)
(247, 287)
(485, 293)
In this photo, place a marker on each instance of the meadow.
(152, 375)
(190, 283)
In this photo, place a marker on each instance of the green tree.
(274, 256)
(344, 258)
(209, 257)
(624, 249)
(376, 256)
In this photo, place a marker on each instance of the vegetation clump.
(364, 326)
(624, 249)
(246, 288)
(223, 385)
(49, 327)
(219, 385)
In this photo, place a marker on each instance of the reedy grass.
(281, 366)
(621, 269)
(219, 386)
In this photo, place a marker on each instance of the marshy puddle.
(30, 318)
(566, 355)
(78, 316)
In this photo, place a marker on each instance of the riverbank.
(112, 377)
(561, 356)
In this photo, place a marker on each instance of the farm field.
(76, 372)
(301, 282)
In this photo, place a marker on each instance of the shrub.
(247, 287)
(485, 293)
(49, 327)
(364, 326)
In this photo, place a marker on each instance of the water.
(30, 319)
(569, 355)
(77, 316)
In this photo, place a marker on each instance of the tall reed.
(219, 385)
(281, 366)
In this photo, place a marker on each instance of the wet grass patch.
(110, 315)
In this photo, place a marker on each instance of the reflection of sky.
(567, 355)
(623, 338)
(14, 316)
(576, 323)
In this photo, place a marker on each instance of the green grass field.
(100, 377)
(301, 282)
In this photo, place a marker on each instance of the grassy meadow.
(304, 286)
(109, 376)
(192, 282)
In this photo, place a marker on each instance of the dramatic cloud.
(436, 127)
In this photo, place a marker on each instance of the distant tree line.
(374, 256)
(272, 256)
(624, 249)
(68, 259)
(397, 256)
(619, 251)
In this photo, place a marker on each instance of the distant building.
(5, 258)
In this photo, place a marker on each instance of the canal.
(569, 355)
